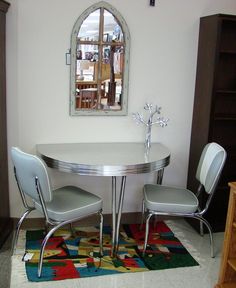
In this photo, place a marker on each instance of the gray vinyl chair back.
(28, 168)
(210, 166)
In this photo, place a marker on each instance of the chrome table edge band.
(108, 170)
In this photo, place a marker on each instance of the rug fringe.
(186, 243)
(20, 247)
(18, 275)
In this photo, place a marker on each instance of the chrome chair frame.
(49, 222)
(196, 215)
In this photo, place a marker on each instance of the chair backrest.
(27, 168)
(210, 166)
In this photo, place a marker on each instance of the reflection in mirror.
(99, 62)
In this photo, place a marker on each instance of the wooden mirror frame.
(126, 44)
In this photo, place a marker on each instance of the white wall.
(163, 58)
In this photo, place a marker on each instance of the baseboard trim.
(127, 218)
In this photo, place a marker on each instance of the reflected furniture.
(214, 114)
(107, 159)
(87, 98)
(227, 274)
(85, 84)
(60, 206)
(5, 220)
(180, 202)
(81, 85)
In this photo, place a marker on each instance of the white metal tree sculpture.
(151, 120)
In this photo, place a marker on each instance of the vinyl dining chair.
(180, 202)
(61, 206)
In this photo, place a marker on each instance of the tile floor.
(205, 275)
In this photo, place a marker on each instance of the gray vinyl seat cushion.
(169, 199)
(71, 202)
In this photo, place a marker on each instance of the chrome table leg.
(160, 176)
(120, 206)
(113, 215)
(116, 213)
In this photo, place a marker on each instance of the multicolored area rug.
(77, 256)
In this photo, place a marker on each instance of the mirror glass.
(99, 62)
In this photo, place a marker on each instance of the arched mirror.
(99, 62)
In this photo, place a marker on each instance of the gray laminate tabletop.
(104, 159)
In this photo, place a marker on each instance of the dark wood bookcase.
(214, 113)
(5, 220)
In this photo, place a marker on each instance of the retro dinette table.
(107, 159)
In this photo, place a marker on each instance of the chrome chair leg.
(50, 233)
(201, 229)
(26, 213)
(146, 232)
(143, 212)
(46, 227)
(72, 231)
(45, 240)
(202, 220)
